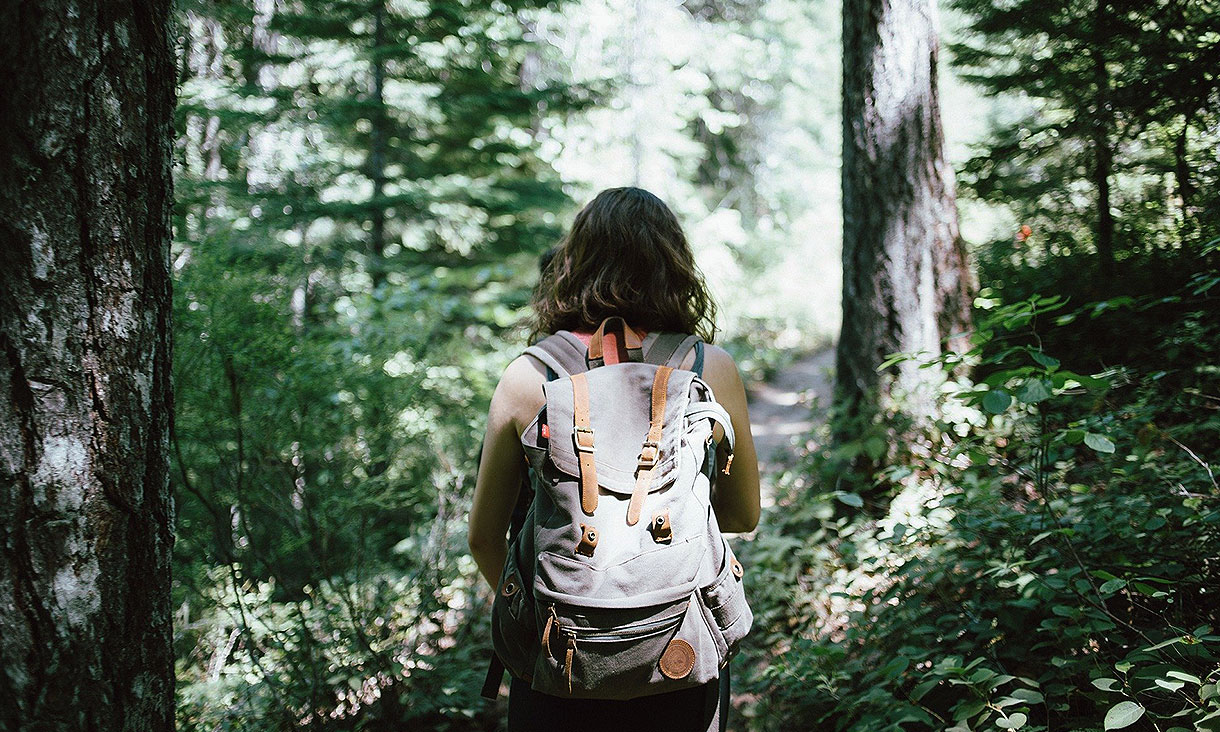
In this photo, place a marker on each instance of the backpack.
(619, 583)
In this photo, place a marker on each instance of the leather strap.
(631, 341)
(582, 435)
(650, 453)
(568, 654)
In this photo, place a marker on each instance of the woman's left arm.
(499, 480)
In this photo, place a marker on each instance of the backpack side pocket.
(514, 634)
(725, 601)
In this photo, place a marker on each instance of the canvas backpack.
(618, 583)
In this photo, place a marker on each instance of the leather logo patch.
(678, 659)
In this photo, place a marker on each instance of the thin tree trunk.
(1181, 167)
(1103, 151)
(377, 149)
(85, 397)
(906, 282)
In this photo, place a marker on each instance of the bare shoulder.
(719, 360)
(720, 370)
(518, 396)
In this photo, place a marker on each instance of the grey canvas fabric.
(655, 606)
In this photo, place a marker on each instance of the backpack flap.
(619, 415)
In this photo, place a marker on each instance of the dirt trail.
(783, 408)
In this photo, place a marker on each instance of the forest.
(266, 261)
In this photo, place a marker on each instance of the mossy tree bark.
(86, 513)
(906, 282)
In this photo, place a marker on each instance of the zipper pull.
(728, 463)
(567, 659)
(551, 619)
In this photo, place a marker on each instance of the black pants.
(698, 709)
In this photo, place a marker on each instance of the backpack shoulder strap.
(561, 352)
(669, 349)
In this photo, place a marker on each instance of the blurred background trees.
(364, 188)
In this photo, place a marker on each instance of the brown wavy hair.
(625, 255)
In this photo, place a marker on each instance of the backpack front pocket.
(514, 633)
(622, 654)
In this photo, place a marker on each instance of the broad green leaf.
(1147, 589)
(1028, 696)
(1014, 721)
(1113, 585)
(1123, 714)
(1100, 443)
(1034, 391)
(1048, 361)
(893, 359)
(1106, 684)
(968, 709)
(1183, 676)
(1171, 685)
(851, 499)
(923, 688)
(981, 675)
(996, 401)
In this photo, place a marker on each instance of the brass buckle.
(649, 454)
(580, 443)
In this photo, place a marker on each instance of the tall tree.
(352, 173)
(906, 283)
(85, 508)
(1121, 93)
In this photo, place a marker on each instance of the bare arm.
(517, 398)
(736, 499)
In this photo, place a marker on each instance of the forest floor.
(787, 407)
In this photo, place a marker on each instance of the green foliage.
(363, 190)
(1085, 91)
(1049, 562)
(360, 205)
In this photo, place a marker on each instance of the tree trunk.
(1103, 150)
(377, 150)
(85, 396)
(906, 282)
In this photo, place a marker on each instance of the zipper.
(728, 462)
(636, 632)
(594, 635)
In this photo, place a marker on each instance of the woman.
(626, 255)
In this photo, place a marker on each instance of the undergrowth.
(1048, 559)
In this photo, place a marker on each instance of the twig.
(1197, 459)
